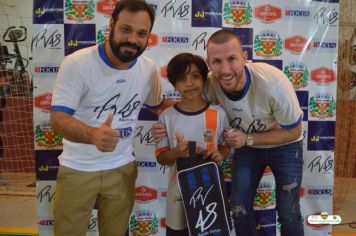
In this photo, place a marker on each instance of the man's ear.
(245, 55)
(111, 25)
(207, 62)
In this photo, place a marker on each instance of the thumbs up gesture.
(182, 146)
(104, 137)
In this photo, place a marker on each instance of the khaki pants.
(77, 191)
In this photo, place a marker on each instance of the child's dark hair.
(181, 63)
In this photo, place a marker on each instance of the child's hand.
(214, 154)
(181, 149)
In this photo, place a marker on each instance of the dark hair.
(181, 63)
(133, 6)
(222, 36)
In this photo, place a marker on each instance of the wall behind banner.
(298, 37)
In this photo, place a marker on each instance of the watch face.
(249, 140)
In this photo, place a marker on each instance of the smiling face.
(226, 61)
(191, 85)
(129, 35)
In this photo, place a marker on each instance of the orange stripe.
(159, 151)
(211, 123)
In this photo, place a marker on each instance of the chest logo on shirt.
(118, 106)
(209, 136)
(237, 109)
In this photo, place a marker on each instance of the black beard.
(124, 56)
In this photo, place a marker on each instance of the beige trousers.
(77, 191)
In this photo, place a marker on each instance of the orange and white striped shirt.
(206, 128)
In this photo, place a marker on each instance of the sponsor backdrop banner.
(298, 36)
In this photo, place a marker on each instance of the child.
(191, 119)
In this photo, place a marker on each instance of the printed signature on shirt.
(113, 105)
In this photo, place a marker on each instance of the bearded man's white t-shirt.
(89, 87)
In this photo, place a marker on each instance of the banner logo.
(49, 223)
(326, 17)
(323, 105)
(147, 165)
(46, 69)
(39, 11)
(152, 41)
(102, 35)
(106, 7)
(236, 13)
(46, 137)
(265, 196)
(323, 76)
(296, 44)
(297, 74)
(175, 40)
(268, 13)
(79, 10)
(177, 9)
(226, 166)
(43, 102)
(47, 39)
(321, 135)
(268, 44)
(323, 219)
(326, 45)
(144, 194)
(45, 13)
(163, 223)
(297, 13)
(322, 164)
(319, 192)
(143, 223)
(78, 36)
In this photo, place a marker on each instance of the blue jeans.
(249, 163)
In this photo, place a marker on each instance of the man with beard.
(97, 97)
